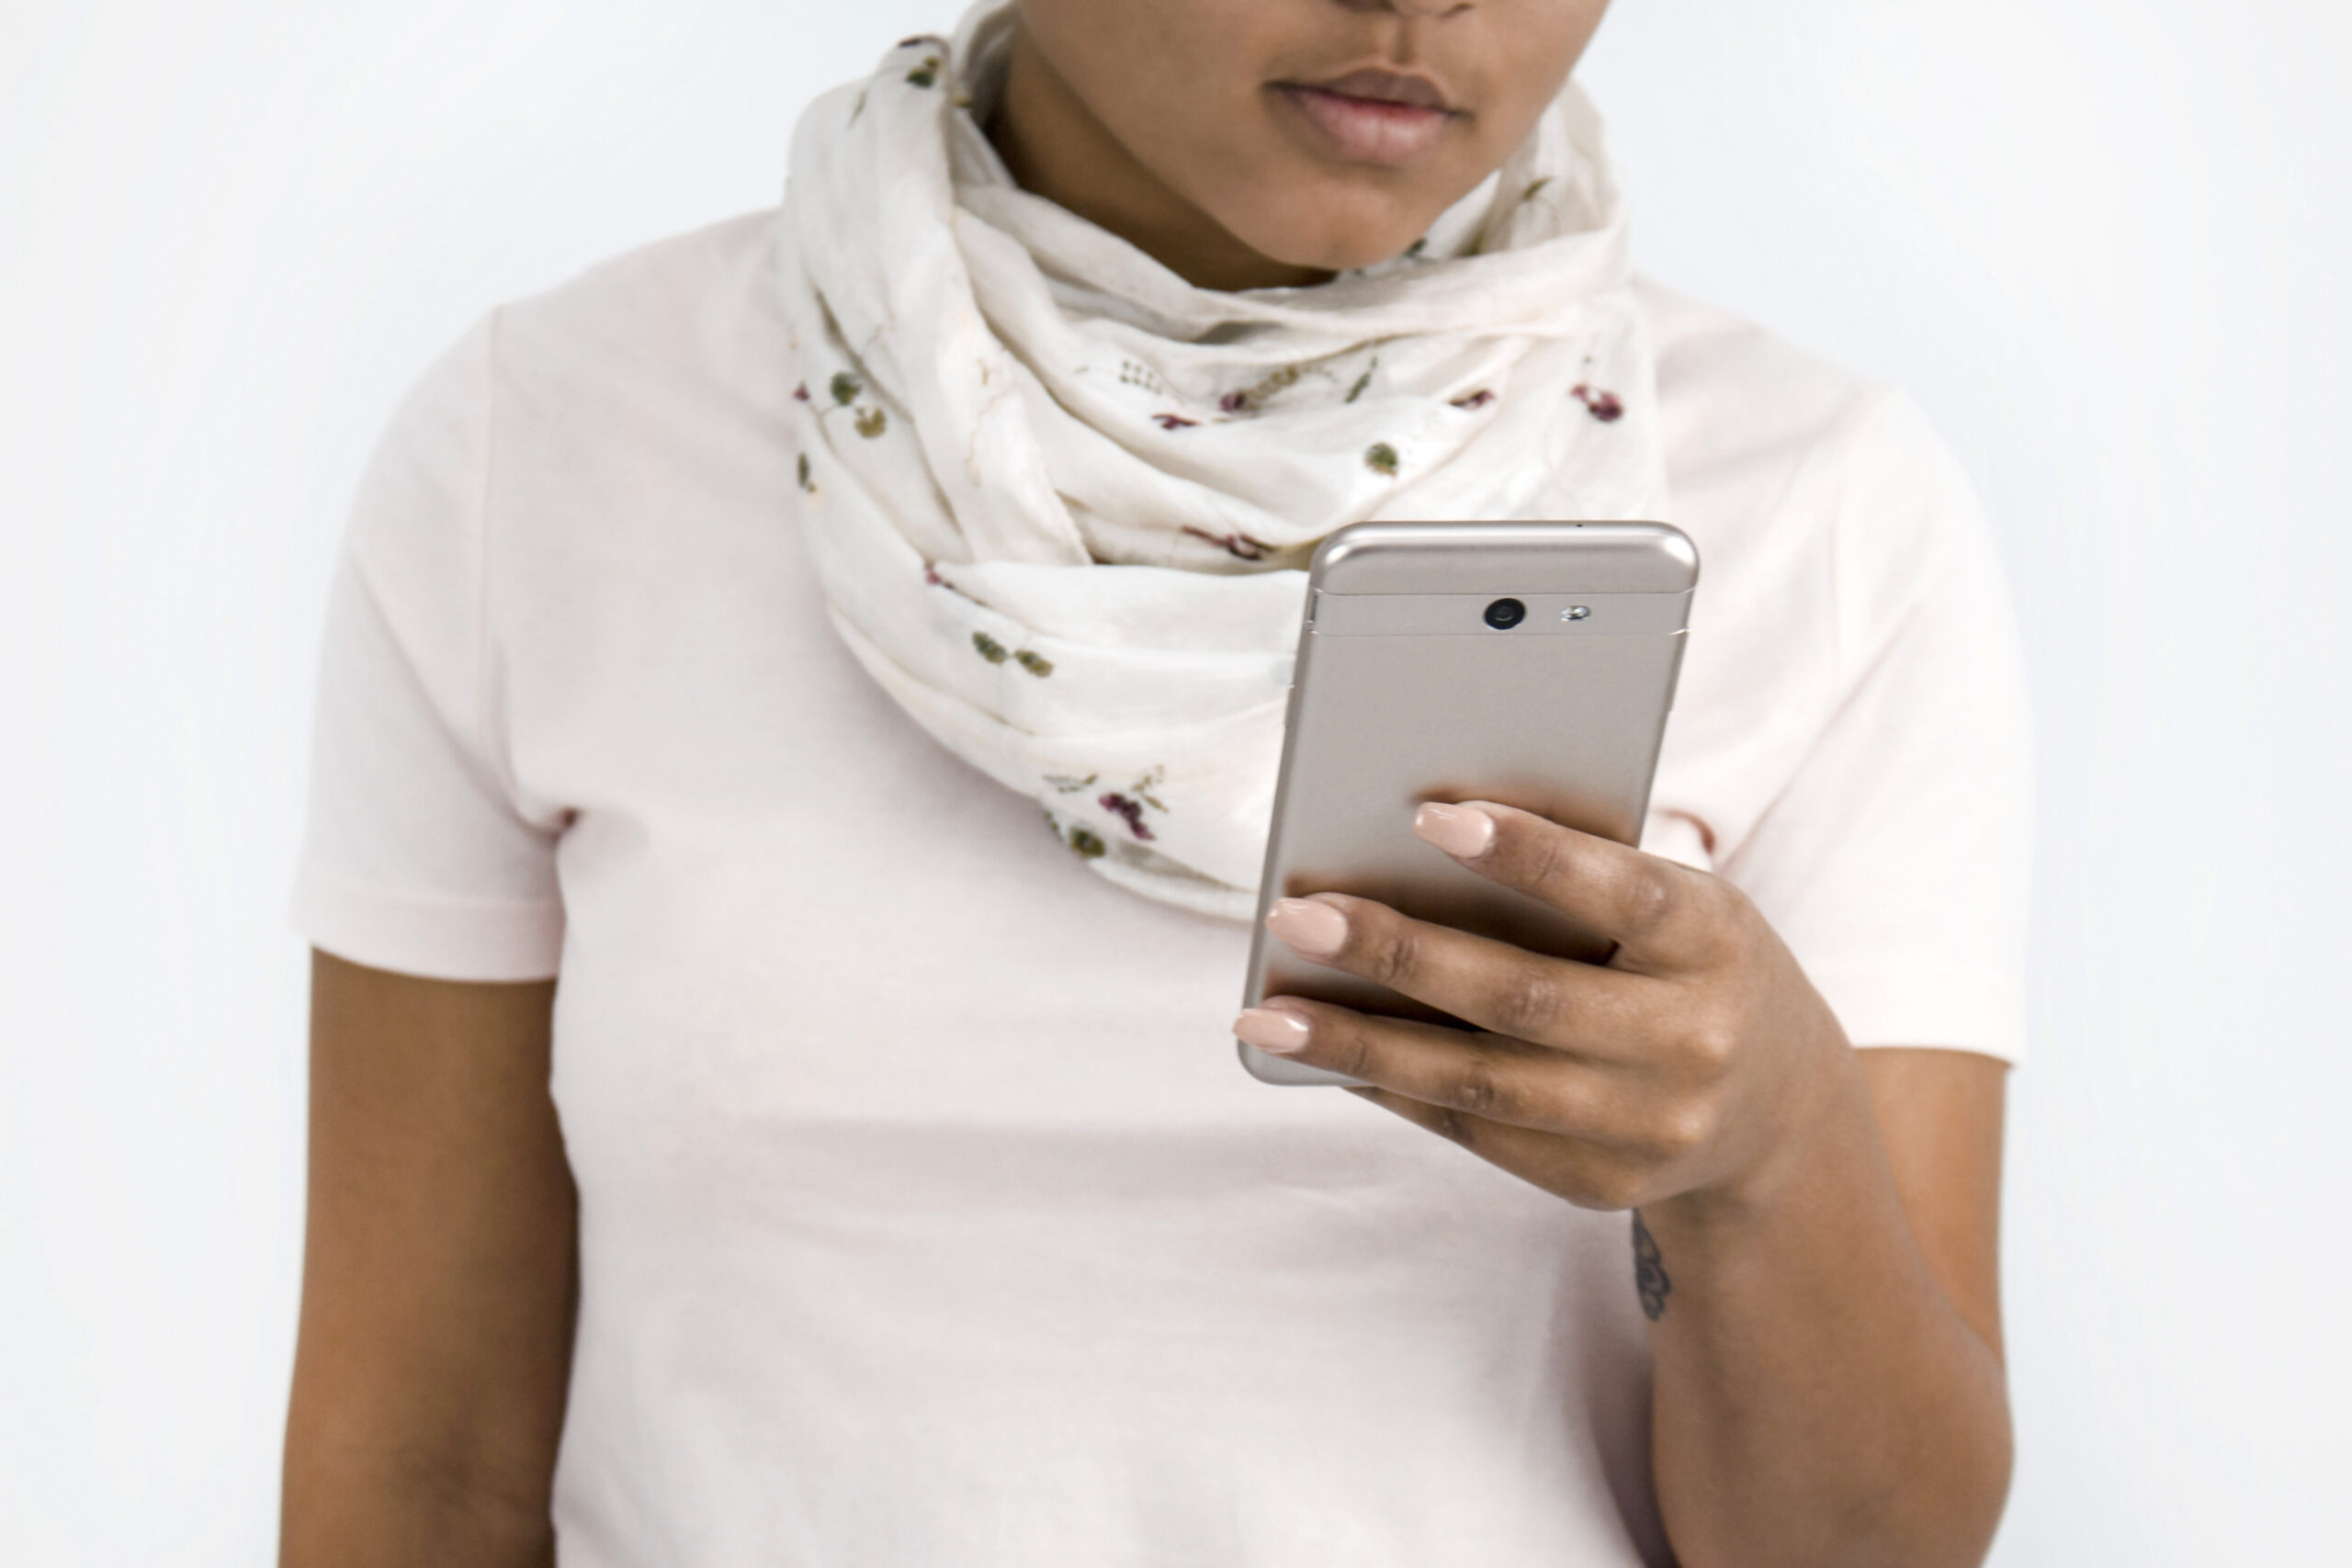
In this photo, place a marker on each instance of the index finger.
(1664, 917)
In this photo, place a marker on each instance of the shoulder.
(1781, 461)
(1735, 397)
(650, 389)
(683, 324)
(696, 307)
(664, 371)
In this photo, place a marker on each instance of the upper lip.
(1385, 88)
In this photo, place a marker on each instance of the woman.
(877, 1185)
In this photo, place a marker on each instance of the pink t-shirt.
(927, 1216)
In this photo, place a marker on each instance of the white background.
(2102, 241)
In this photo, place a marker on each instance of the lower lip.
(1365, 130)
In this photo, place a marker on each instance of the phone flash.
(1575, 613)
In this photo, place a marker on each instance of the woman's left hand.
(1693, 1064)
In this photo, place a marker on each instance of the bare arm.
(1814, 1225)
(438, 1279)
(1829, 1380)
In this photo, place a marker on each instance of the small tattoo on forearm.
(1649, 1272)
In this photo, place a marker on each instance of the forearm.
(1819, 1400)
(439, 1277)
(423, 1428)
(1828, 1389)
(366, 1504)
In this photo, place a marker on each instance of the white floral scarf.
(1060, 500)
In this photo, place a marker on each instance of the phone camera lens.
(1505, 613)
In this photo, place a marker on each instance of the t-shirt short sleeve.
(1895, 863)
(415, 856)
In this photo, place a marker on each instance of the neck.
(1055, 147)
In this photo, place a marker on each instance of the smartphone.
(1528, 663)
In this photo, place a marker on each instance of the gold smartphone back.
(1417, 679)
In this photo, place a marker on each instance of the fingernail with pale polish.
(1312, 930)
(1271, 1029)
(1463, 831)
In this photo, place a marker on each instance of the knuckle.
(1529, 1002)
(1544, 859)
(1392, 953)
(1352, 1052)
(1729, 926)
(1613, 1189)
(1709, 1043)
(1481, 1089)
(1652, 900)
(1733, 930)
(1450, 1123)
(1682, 1132)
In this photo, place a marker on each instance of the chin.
(1331, 237)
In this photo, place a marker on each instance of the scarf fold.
(1060, 500)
